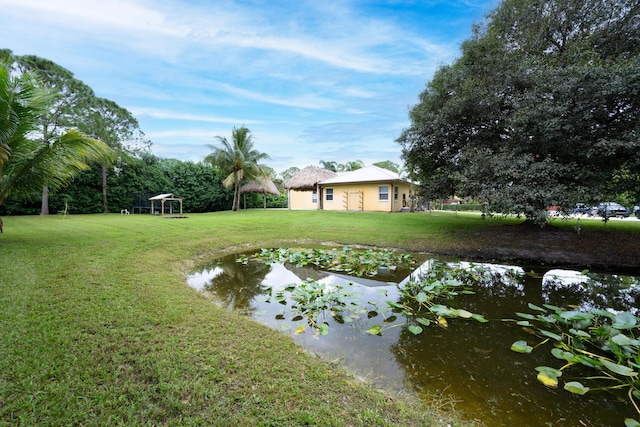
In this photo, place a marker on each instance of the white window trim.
(380, 193)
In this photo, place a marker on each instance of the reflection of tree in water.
(472, 362)
(238, 284)
(468, 356)
(602, 291)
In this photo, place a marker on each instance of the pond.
(470, 362)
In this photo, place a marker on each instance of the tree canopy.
(107, 121)
(26, 164)
(67, 103)
(542, 108)
(340, 167)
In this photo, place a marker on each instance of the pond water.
(469, 362)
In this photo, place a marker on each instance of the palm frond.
(33, 165)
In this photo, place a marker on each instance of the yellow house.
(367, 189)
(303, 189)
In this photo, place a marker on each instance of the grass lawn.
(98, 326)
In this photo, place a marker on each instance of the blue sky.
(313, 80)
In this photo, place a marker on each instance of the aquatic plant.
(604, 342)
(348, 261)
(423, 302)
(313, 300)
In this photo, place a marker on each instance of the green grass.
(98, 326)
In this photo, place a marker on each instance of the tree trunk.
(236, 202)
(104, 189)
(44, 207)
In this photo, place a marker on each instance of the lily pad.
(535, 307)
(624, 320)
(323, 329)
(576, 387)
(551, 335)
(619, 369)
(521, 347)
(422, 320)
(548, 376)
(479, 317)
(374, 330)
(415, 329)
(464, 313)
(622, 339)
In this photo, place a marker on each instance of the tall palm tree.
(238, 158)
(329, 165)
(26, 164)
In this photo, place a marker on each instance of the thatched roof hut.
(261, 185)
(308, 178)
(264, 185)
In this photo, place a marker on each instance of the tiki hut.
(304, 191)
(261, 185)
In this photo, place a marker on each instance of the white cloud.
(312, 79)
(123, 14)
(172, 115)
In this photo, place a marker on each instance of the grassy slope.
(99, 328)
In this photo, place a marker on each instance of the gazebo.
(169, 197)
(261, 185)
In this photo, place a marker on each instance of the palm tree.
(329, 165)
(238, 158)
(353, 165)
(27, 165)
(68, 101)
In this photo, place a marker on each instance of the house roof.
(307, 178)
(367, 174)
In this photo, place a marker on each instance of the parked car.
(636, 210)
(582, 209)
(612, 209)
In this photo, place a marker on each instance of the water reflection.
(615, 292)
(469, 361)
(233, 285)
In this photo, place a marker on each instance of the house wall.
(366, 197)
(301, 200)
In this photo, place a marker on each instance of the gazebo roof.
(167, 196)
(308, 178)
(261, 185)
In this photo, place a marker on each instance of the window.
(314, 197)
(383, 192)
(395, 193)
(329, 194)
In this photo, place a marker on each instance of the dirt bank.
(594, 250)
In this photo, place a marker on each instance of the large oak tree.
(542, 108)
